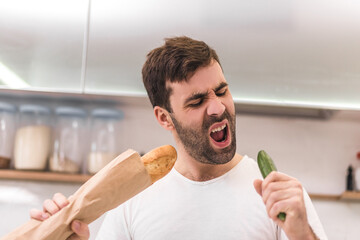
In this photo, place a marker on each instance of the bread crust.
(159, 161)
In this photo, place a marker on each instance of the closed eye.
(221, 92)
(196, 103)
(196, 100)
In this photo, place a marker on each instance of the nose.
(215, 107)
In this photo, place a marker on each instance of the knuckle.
(60, 200)
(270, 202)
(47, 202)
(50, 206)
(298, 202)
(275, 209)
(270, 177)
(298, 185)
(298, 191)
(57, 195)
(271, 186)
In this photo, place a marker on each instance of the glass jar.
(32, 138)
(7, 130)
(105, 134)
(67, 151)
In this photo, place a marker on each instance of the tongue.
(218, 136)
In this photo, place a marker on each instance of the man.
(212, 192)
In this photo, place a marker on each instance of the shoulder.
(119, 222)
(158, 189)
(248, 167)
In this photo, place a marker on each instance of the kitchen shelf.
(345, 196)
(328, 197)
(43, 176)
(82, 178)
(350, 196)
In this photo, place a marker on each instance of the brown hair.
(175, 61)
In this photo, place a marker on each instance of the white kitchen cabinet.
(282, 53)
(41, 44)
(121, 34)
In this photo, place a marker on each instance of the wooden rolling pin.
(120, 180)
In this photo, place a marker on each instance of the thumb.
(257, 185)
(81, 229)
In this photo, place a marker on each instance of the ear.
(163, 117)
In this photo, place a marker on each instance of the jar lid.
(7, 107)
(70, 111)
(30, 108)
(107, 113)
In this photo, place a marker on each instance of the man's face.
(204, 115)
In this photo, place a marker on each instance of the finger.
(278, 207)
(81, 229)
(279, 197)
(50, 207)
(38, 214)
(281, 186)
(292, 206)
(277, 177)
(257, 185)
(60, 200)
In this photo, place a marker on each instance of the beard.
(197, 141)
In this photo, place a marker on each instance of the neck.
(197, 171)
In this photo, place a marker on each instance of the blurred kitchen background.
(293, 68)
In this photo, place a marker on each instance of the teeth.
(219, 128)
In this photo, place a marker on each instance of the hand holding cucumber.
(282, 193)
(267, 165)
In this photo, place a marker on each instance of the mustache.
(210, 120)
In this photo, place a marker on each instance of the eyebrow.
(199, 95)
(221, 85)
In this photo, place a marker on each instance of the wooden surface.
(350, 196)
(43, 176)
(327, 197)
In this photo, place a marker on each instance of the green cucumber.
(266, 166)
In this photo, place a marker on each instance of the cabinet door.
(273, 53)
(123, 32)
(41, 44)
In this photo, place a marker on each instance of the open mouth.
(219, 134)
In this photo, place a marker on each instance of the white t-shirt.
(177, 208)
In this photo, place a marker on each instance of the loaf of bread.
(121, 179)
(159, 161)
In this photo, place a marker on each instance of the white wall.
(317, 152)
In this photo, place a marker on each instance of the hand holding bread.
(121, 179)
